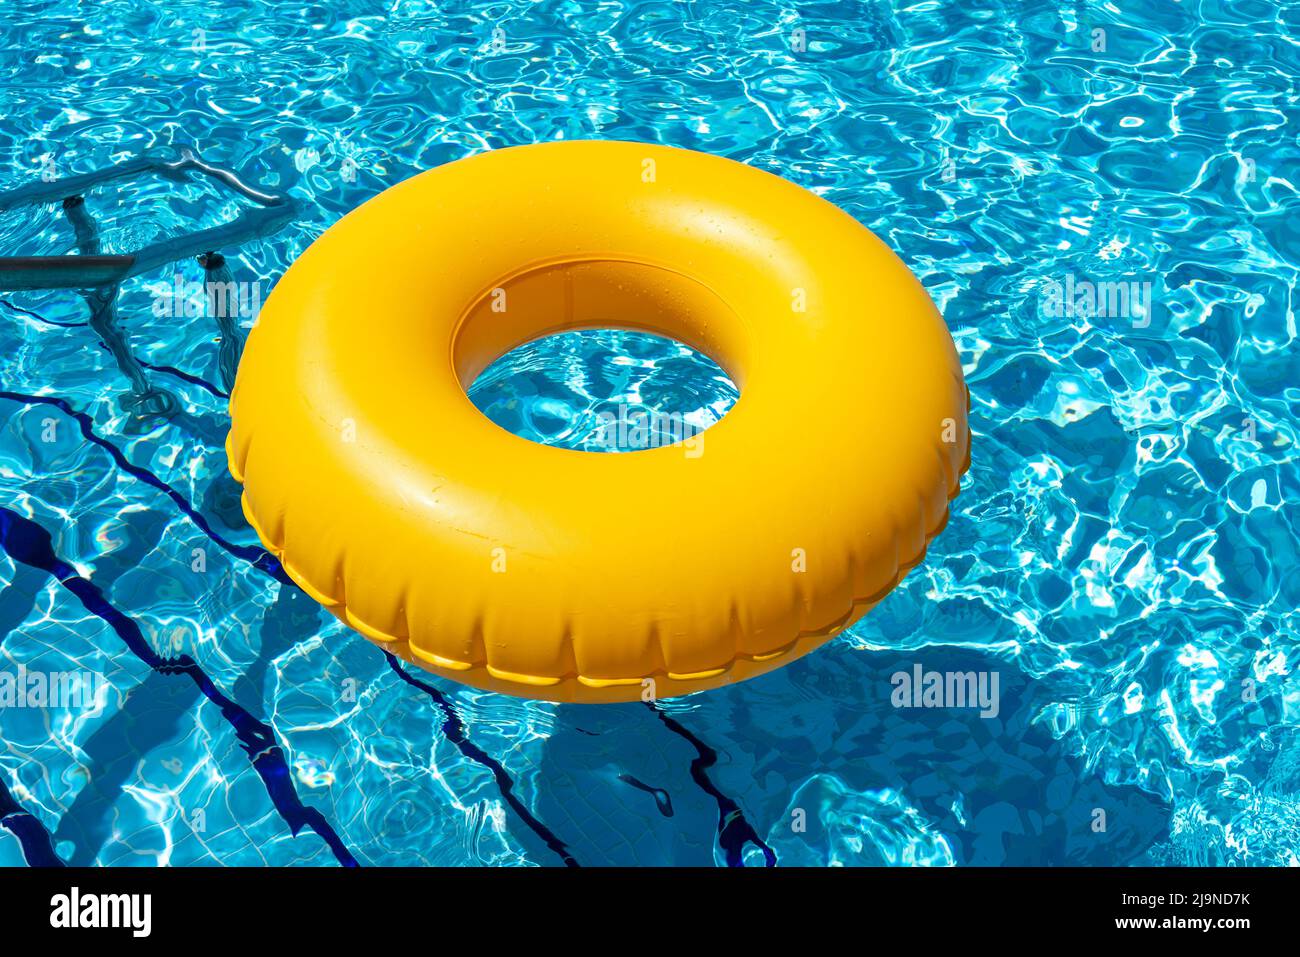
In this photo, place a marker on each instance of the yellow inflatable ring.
(574, 576)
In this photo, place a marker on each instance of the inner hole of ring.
(601, 355)
(604, 390)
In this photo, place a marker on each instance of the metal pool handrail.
(88, 271)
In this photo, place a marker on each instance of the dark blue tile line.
(192, 379)
(454, 729)
(39, 317)
(734, 832)
(38, 849)
(250, 553)
(189, 377)
(27, 542)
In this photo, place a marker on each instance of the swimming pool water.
(1122, 554)
(604, 390)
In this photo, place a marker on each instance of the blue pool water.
(605, 390)
(1123, 554)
